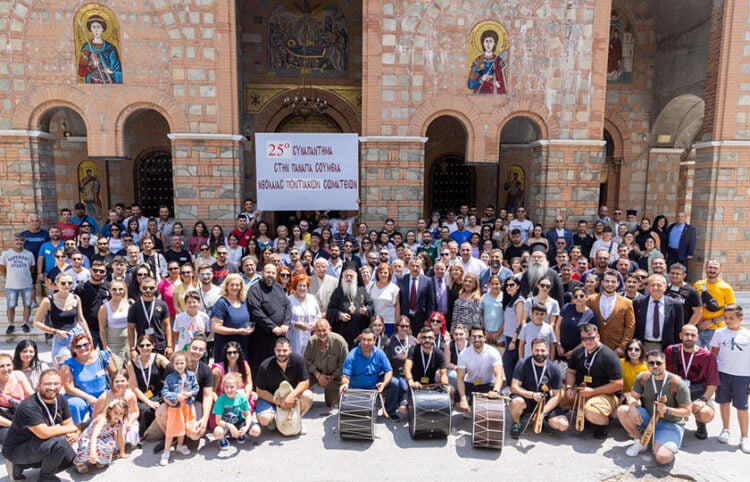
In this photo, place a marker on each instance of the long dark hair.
(509, 300)
(241, 366)
(21, 346)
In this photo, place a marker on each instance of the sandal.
(82, 468)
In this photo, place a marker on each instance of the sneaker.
(395, 417)
(25, 328)
(241, 439)
(184, 450)
(515, 430)
(701, 433)
(164, 461)
(10, 329)
(15, 472)
(745, 444)
(302, 429)
(224, 444)
(600, 432)
(724, 436)
(635, 449)
(467, 415)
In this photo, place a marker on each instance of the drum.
(429, 413)
(357, 414)
(488, 430)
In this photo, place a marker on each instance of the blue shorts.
(11, 296)
(667, 434)
(733, 389)
(264, 406)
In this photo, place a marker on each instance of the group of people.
(488, 304)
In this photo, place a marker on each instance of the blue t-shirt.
(492, 310)
(364, 373)
(231, 316)
(34, 241)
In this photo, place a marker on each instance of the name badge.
(587, 379)
(149, 331)
(101, 373)
(478, 381)
(687, 382)
(424, 380)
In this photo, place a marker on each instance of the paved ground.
(322, 456)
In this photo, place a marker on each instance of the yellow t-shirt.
(629, 372)
(722, 293)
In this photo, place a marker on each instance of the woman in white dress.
(385, 297)
(305, 312)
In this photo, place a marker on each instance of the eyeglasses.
(232, 352)
(82, 346)
(588, 338)
(145, 345)
(100, 271)
(579, 297)
(65, 283)
(655, 363)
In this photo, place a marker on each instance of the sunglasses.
(85, 225)
(579, 297)
(545, 286)
(65, 283)
(145, 345)
(148, 288)
(435, 321)
(186, 273)
(82, 346)
(655, 363)
(284, 275)
(232, 352)
(141, 275)
(99, 271)
(59, 256)
(511, 285)
(204, 249)
(173, 269)
(445, 254)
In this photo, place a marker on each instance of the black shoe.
(25, 328)
(701, 433)
(10, 329)
(515, 430)
(15, 472)
(159, 447)
(600, 432)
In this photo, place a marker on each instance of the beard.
(540, 358)
(349, 288)
(536, 271)
(269, 281)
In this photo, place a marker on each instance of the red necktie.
(413, 295)
(656, 330)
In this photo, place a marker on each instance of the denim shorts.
(733, 389)
(668, 434)
(264, 406)
(11, 296)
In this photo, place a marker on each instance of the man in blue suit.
(657, 331)
(417, 295)
(680, 241)
(560, 231)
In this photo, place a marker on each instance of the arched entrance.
(153, 178)
(452, 183)
(516, 164)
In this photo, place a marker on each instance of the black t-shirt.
(524, 371)
(270, 375)
(30, 413)
(515, 251)
(182, 257)
(138, 314)
(604, 365)
(688, 296)
(221, 272)
(434, 363)
(203, 374)
(92, 296)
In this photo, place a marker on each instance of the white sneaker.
(635, 449)
(745, 444)
(183, 449)
(724, 437)
(164, 461)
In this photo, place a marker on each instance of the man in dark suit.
(680, 241)
(560, 231)
(658, 318)
(417, 295)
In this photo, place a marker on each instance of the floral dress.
(106, 444)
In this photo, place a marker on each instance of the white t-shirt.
(384, 301)
(188, 326)
(525, 226)
(734, 351)
(479, 366)
(18, 269)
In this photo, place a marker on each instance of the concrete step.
(19, 335)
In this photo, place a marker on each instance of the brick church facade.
(641, 104)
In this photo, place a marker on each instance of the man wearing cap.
(16, 265)
(630, 220)
(272, 314)
(350, 306)
(81, 216)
